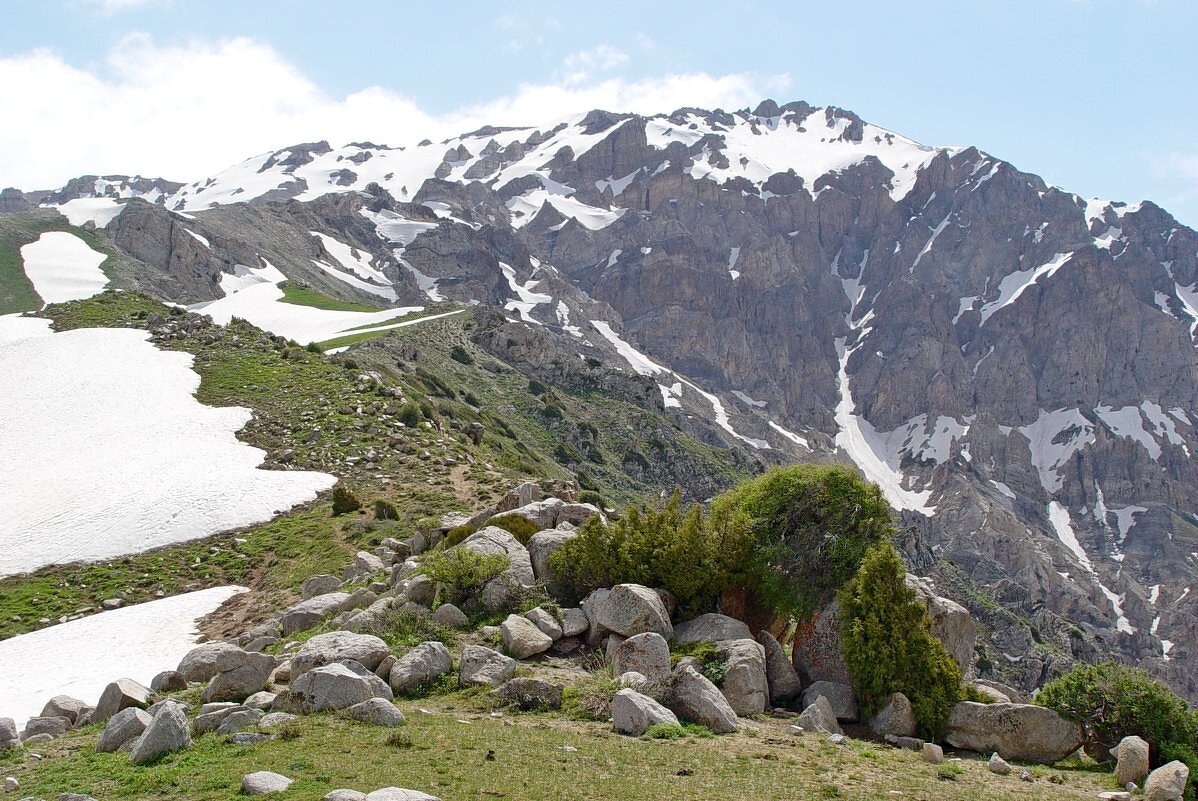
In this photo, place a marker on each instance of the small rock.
(933, 753)
(633, 713)
(522, 638)
(451, 617)
(11, 785)
(1167, 783)
(263, 781)
(1026, 775)
(237, 721)
(344, 795)
(275, 719)
(166, 734)
(481, 665)
(819, 716)
(1132, 760)
(377, 711)
(837, 739)
(546, 622)
(399, 794)
(261, 700)
(998, 765)
(168, 681)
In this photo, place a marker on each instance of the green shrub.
(590, 697)
(971, 693)
(410, 627)
(314, 347)
(949, 772)
(398, 738)
(519, 527)
(456, 535)
(711, 663)
(593, 498)
(665, 731)
(459, 354)
(809, 527)
(1113, 701)
(385, 510)
(344, 501)
(409, 414)
(462, 572)
(889, 647)
(663, 547)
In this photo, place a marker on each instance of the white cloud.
(184, 112)
(581, 66)
(110, 7)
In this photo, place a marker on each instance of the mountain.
(1012, 364)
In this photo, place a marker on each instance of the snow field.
(62, 267)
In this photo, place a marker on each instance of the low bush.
(462, 573)
(409, 414)
(344, 501)
(460, 354)
(590, 697)
(665, 731)
(408, 628)
(711, 663)
(889, 647)
(385, 510)
(1113, 701)
(519, 527)
(456, 535)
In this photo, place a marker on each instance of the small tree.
(889, 647)
(344, 501)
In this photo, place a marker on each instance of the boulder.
(359, 599)
(212, 715)
(262, 782)
(377, 712)
(647, 654)
(424, 664)
(200, 663)
(450, 617)
(421, 590)
(344, 795)
(998, 765)
(840, 697)
(1022, 732)
(240, 720)
(546, 622)
(782, 679)
(745, 684)
(631, 609)
(399, 794)
(574, 622)
(529, 694)
(951, 623)
(1167, 783)
(577, 513)
(693, 697)
(896, 717)
(121, 728)
(633, 713)
(365, 564)
(310, 612)
(711, 627)
(933, 753)
(818, 716)
(261, 700)
(275, 719)
(1131, 755)
(324, 649)
(64, 706)
(497, 594)
(522, 495)
(319, 585)
(121, 694)
(522, 638)
(242, 674)
(337, 686)
(166, 734)
(541, 546)
(480, 665)
(41, 725)
(817, 654)
(542, 513)
(168, 681)
(8, 734)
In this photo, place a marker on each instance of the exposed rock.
(422, 665)
(933, 753)
(522, 495)
(895, 718)
(693, 697)
(451, 617)
(261, 700)
(275, 719)
(576, 513)
(310, 612)
(1167, 783)
(378, 712)
(530, 694)
(212, 715)
(541, 546)
(166, 733)
(239, 720)
(242, 674)
(543, 513)
(1131, 755)
(365, 564)
(497, 595)
(840, 698)
(64, 706)
(334, 646)
(546, 622)
(121, 694)
(1023, 732)
(522, 638)
(817, 650)
(631, 609)
(951, 623)
(633, 713)
(8, 734)
(319, 585)
(745, 684)
(337, 686)
(784, 683)
(52, 726)
(711, 627)
(574, 622)
(121, 728)
(481, 665)
(200, 663)
(998, 765)
(168, 681)
(647, 654)
(818, 716)
(262, 782)
(399, 794)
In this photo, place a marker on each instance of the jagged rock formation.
(1013, 365)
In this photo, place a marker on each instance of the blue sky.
(1098, 96)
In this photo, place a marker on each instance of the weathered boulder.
(543, 513)
(711, 627)
(529, 694)
(337, 686)
(745, 684)
(546, 622)
(1023, 732)
(121, 694)
(168, 681)
(633, 713)
(781, 677)
(896, 717)
(574, 622)
(365, 564)
(577, 513)
(319, 585)
(242, 673)
(334, 646)
(421, 590)
(121, 728)
(212, 715)
(239, 720)
(451, 617)
(647, 654)
(344, 795)
(933, 753)
(64, 706)
(541, 546)
(424, 664)
(521, 495)
(377, 712)
(261, 782)
(52, 726)
(951, 623)
(631, 609)
(8, 734)
(261, 700)
(1167, 783)
(166, 733)
(492, 540)
(310, 612)
(522, 638)
(998, 765)
(481, 665)
(275, 719)
(840, 697)
(693, 697)
(818, 716)
(1131, 755)
(200, 663)
(399, 794)
(817, 650)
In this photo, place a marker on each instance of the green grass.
(16, 290)
(300, 296)
(459, 752)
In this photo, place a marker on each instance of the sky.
(1096, 96)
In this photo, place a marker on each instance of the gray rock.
(337, 686)
(1167, 783)
(817, 651)
(365, 564)
(895, 718)
(38, 739)
(309, 613)
(344, 795)
(319, 585)
(40, 725)
(421, 590)
(275, 719)
(633, 713)
(543, 513)
(951, 623)
(168, 681)
(818, 716)
(711, 627)
(451, 617)
(359, 599)
(541, 546)
(781, 677)
(576, 513)
(481, 665)
(249, 738)
(745, 684)
(263, 781)
(121, 728)
(422, 665)
(399, 794)
(166, 734)
(239, 721)
(546, 622)
(1022, 732)
(121, 694)
(8, 734)
(64, 706)
(497, 595)
(933, 753)
(840, 697)
(994, 696)
(522, 495)
(574, 622)
(324, 649)
(529, 694)
(211, 716)
(261, 700)
(377, 711)
(152, 709)
(522, 638)
(631, 609)
(1131, 755)
(200, 663)
(647, 654)
(242, 674)
(693, 697)
(998, 765)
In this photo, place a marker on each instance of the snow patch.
(1053, 439)
(97, 210)
(62, 267)
(1013, 284)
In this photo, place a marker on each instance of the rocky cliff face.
(1015, 366)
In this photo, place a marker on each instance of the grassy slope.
(16, 291)
(449, 759)
(300, 296)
